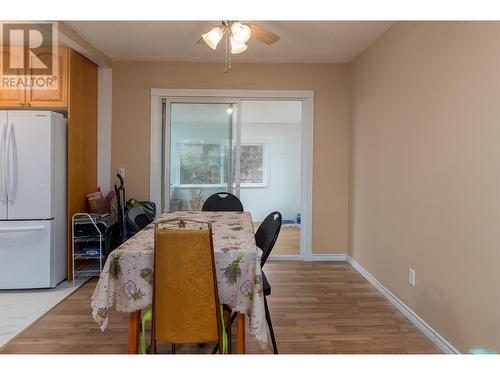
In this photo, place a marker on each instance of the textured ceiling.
(301, 41)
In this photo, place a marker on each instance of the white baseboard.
(284, 257)
(326, 257)
(311, 257)
(425, 328)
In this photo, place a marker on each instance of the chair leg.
(173, 348)
(270, 325)
(215, 349)
(233, 317)
(152, 348)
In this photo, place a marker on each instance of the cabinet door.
(55, 96)
(12, 94)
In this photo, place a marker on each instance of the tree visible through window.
(206, 164)
(201, 164)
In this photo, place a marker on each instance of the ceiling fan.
(235, 35)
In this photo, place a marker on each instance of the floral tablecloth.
(126, 279)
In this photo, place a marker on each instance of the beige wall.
(132, 82)
(425, 158)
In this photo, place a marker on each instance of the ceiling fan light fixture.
(241, 32)
(237, 47)
(213, 37)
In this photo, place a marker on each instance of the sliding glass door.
(201, 149)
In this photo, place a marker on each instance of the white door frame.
(306, 96)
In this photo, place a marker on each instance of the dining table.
(126, 280)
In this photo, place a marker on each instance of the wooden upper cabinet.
(53, 93)
(49, 91)
(11, 94)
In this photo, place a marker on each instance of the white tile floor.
(20, 308)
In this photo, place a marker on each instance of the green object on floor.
(224, 333)
(148, 315)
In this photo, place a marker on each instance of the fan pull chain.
(229, 45)
(225, 51)
(227, 63)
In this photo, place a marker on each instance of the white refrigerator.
(33, 222)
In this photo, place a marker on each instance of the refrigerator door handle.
(11, 169)
(3, 156)
(22, 229)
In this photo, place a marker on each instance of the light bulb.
(229, 110)
(237, 47)
(241, 33)
(213, 37)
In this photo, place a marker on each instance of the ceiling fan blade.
(264, 35)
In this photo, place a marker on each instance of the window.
(201, 164)
(253, 171)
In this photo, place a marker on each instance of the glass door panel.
(201, 153)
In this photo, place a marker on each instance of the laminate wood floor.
(288, 242)
(316, 307)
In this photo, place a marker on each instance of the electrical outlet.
(121, 172)
(411, 276)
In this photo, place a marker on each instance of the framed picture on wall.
(253, 165)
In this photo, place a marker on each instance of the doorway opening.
(257, 147)
(270, 166)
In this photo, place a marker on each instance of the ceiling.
(301, 41)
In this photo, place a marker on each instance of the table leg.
(240, 323)
(134, 329)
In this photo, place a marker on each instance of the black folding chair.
(265, 238)
(222, 202)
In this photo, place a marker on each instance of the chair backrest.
(222, 202)
(185, 297)
(267, 234)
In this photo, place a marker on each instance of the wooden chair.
(185, 298)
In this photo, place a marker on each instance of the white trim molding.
(312, 257)
(104, 124)
(284, 257)
(306, 183)
(425, 328)
(326, 257)
(72, 39)
(243, 94)
(156, 157)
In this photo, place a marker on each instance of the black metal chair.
(265, 238)
(222, 202)
(267, 234)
